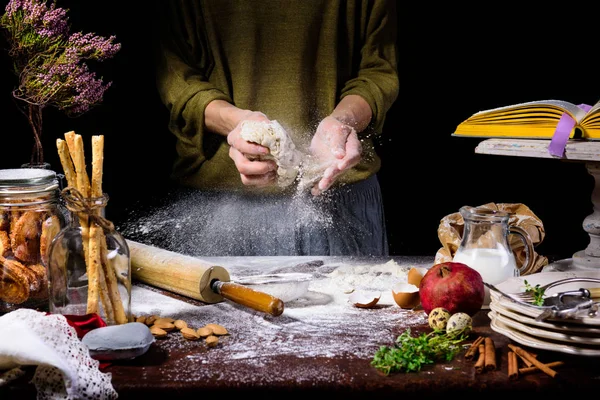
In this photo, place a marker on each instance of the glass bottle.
(485, 246)
(71, 264)
(30, 218)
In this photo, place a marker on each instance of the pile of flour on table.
(321, 316)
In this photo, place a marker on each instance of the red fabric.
(85, 323)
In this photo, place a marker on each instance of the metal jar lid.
(27, 180)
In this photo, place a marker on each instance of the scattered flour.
(321, 316)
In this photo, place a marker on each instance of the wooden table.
(300, 360)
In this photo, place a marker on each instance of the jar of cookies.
(30, 218)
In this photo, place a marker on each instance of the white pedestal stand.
(576, 150)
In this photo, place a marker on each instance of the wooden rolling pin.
(194, 278)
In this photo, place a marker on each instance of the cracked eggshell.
(364, 298)
(415, 274)
(406, 295)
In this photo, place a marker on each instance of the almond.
(164, 319)
(164, 325)
(217, 329)
(189, 334)
(158, 332)
(141, 318)
(204, 331)
(212, 341)
(150, 320)
(180, 324)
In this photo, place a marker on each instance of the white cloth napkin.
(65, 369)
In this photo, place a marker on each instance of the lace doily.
(65, 369)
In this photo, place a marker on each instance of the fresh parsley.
(410, 354)
(538, 293)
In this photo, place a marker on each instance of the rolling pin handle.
(248, 297)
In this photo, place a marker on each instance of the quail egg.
(438, 318)
(459, 322)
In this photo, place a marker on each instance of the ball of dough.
(438, 318)
(282, 149)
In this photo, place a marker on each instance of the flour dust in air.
(216, 224)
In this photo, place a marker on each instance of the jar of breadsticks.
(89, 260)
(30, 218)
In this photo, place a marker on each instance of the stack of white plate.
(579, 335)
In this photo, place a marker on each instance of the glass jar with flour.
(485, 246)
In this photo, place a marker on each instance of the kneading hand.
(245, 155)
(336, 148)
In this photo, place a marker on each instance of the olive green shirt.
(293, 60)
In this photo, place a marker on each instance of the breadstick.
(95, 264)
(96, 238)
(67, 162)
(112, 284)
(83, 186)
(97, 164)
(83, 182)
(71, 139)
(112, 289)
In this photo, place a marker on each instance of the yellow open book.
(534, 120)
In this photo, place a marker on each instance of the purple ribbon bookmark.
(563, 132)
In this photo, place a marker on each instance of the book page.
(576, 112)
(595, 108)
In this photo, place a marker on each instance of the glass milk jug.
(485, 246)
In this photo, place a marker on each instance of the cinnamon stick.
(526, 361)
(480, 364)
(528, 370)
(471, 351)
(490, 354)
(513, 367)
(524, 354)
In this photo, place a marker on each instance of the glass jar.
(485, 246)
(90, 264)
(30, 218)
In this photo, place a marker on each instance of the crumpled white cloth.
(65, 369)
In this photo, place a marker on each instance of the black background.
(454, 60)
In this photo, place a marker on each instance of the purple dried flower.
(49, 62)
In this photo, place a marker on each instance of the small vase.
(71, 266)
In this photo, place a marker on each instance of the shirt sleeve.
(377, 79)
(184, 63)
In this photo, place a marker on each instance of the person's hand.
(253, 170)
(336, 148)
